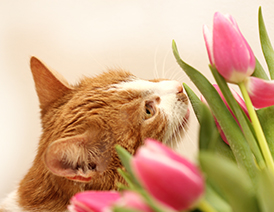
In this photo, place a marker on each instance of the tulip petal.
(92, 201)
(209, 43)
(158, 148)
(172, 183)
(261, 92)
(252, 61)
(232, 55)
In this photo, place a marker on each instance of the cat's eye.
(149, 111)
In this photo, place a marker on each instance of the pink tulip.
(261, 92)
(240, 102)
(168, 177)
(93, 201)
(228, 50)
(134, 201)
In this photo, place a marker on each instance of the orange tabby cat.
(81, 126)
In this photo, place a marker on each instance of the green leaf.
(266, 44)
(208, 130)
(228, 124)
(265, 116)
(127, 177)
(266, 190)
(245, 124)
(216, 201)
(195, 102)
(220, 146)
(223, 149)
(233, 181)
(121, 209)
(259, 72)
(126, 157)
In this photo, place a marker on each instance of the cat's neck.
(40, 190)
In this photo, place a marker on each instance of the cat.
(82, 124)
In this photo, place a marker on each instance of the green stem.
(258, 129)
(205, 206)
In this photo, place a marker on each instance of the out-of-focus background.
(86, 37)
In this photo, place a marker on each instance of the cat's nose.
(180, 88)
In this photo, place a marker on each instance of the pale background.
(84, 37)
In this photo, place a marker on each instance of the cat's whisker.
(164, 63)
(155, 71)
(177, 76)
(102, 66)
(174, 71)
(171, 72)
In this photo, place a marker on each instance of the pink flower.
(261, 92)
(132, 200)
(228, 50)
(168, 177)
(93, 201)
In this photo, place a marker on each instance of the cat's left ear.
(81, 158)
(50, 85)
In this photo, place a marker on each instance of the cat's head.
(83, 123)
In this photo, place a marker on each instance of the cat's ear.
(49, 85)
(80, 158)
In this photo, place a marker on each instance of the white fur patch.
(159, 88)
(10, 204)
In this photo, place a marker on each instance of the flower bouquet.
(236, 169)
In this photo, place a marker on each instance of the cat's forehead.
(115, 80)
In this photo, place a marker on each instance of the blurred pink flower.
(228, 50)
(168, 177)
(93, 201)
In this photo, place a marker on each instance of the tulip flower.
(93, 201)
(261, 92)
(169, 178)
(134, 201)
(228, 50)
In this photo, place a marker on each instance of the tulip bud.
(93, 201)
(168, 177)
(228, 50)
